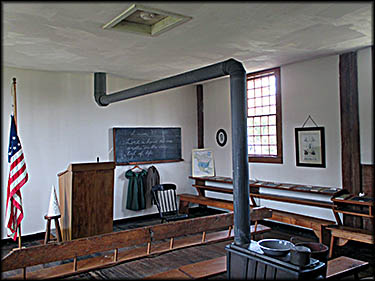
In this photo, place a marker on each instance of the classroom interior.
(69, 60)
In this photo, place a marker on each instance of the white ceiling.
(68, 36)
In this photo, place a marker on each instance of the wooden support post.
(203, 236)
(115, 255)
(229, 230)
(171, 243)
(75, 264)
(24, 272)
(148, 248)
(331, 246)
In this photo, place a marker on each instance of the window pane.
(273, 109)
(266, 110)
(256, 121)
(272, 130)
(251, 93)
(265, 149)
(258, 111)
(265, 140)
(273, 150)
(265, 100)
(258, 92)
(264, 120)
(251, 149)
(251, 112)
(250, 131)
(272, 99)
(272, 139)
(258, 83)
(272, 90)
(258, 102)
(266, 91)
(265, 81)
(272, 80)
(257, 131)
(257, 139)
(251, 102)
(272, 120)
(250, 121)
(250, 84)
(265, 130)
(258, 150)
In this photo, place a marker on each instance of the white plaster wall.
(308, 88)
(366, 105)
(60, 123)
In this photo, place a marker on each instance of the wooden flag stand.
(15, 121)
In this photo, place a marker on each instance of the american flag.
(17, 178)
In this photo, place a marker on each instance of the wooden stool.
(48, 228)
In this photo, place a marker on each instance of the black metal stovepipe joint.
(239, 126)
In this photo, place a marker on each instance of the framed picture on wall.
(310, 147)
(203, 163)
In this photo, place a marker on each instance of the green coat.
(136, 190)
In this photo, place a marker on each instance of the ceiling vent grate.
(145, 20)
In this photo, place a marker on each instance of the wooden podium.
(86, 199)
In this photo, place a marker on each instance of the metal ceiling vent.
(145, 20)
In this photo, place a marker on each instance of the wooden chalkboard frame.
(141, 162)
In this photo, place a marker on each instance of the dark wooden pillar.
(200, 116)
(350, 145)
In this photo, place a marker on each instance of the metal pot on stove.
(300, 255)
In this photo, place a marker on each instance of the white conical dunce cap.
(54, 209)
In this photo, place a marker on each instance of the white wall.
(60, 123)
(307, 88)
(366, 105)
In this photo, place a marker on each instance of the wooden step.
(344, 266)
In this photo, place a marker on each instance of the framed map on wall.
(203, 163)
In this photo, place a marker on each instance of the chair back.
(165, 198)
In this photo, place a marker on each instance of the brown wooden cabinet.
(86, 199)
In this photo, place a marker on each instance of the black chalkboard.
(148, 145)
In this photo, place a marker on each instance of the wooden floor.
(163, 262)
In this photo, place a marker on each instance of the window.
(264, 116)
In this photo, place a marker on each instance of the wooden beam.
(349, 114)
(78, 247)
(200, 123)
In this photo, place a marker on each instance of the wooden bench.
(316, 224)
(344, 266)
(256, 213)
(349, 233)
(336, 268)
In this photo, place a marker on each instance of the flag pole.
(15, 121)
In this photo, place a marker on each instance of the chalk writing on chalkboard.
(134, 145)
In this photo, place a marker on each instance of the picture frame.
(310, 147)
(203, 163)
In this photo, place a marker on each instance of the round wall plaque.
(221, 137)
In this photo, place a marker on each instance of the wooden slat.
(174, 274)
(190, 226)
(214, 188)
(280, 198)
(207, 268)
(69, 249)
(351, 233)
(256, 213)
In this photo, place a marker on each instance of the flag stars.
(14, 148)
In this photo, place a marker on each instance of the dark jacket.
(153, 178)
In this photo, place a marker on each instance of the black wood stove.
(250, 262)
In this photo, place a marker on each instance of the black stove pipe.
(239, 126)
